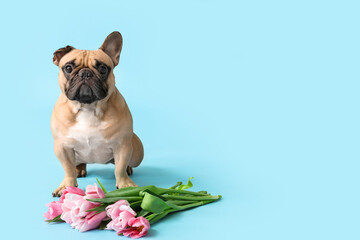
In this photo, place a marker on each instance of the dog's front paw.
(65, 183)
(125, 182)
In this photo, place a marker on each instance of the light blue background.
(257, 100)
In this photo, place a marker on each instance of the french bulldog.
(91, 122)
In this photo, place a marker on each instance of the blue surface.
(258, 100)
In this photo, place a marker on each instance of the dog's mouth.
(85, 95)
(86, 90)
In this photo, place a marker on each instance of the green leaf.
(142, 213)
(103, 224)
(98, 209)
(186, 186)
(114, 199)
(121, 190)
(192, 198)
(102, 186)
(158, 216)
(142, 193)
(55, 219)
(135, 204)
(154, 204)
(180, 202)
(130, 191)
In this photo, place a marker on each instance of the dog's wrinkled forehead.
(86, 58)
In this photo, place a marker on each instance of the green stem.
(176, 185)
(134, 191)
(165, 190)
(156, 217)
(142, 213)
(135, 204)
(180, 202)
(191, 205)
(114, 199)
(129, 191)
(203, 192)
(202, 198)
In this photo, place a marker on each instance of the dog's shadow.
(142, 176)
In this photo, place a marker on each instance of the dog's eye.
(103, 69)
(68, 68)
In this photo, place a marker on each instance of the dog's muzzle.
(85, 94)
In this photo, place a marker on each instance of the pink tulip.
(73, 190)
(75, 210)
(68, 206)
(55, 207)
(120, 222)
(120, 212)
(75, 213)
(115, 209)
(94, 192)
(137, 227)
(91, 221)
(54, 210)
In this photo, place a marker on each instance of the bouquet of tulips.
(129, 211)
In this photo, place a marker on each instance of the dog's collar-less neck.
(93, 107)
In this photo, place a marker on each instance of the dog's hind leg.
(137, 153)
(81, 170)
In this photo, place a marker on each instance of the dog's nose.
(86, 73)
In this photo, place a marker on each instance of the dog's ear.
(58, 54)
(112, 46)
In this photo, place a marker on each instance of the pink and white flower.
(137, 227)
(120, 213)
(53, 211)
(55, 207)
(115, 209)
(93, 191)
(75, 209)
(73, 190)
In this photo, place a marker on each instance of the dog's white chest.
(87, 141)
